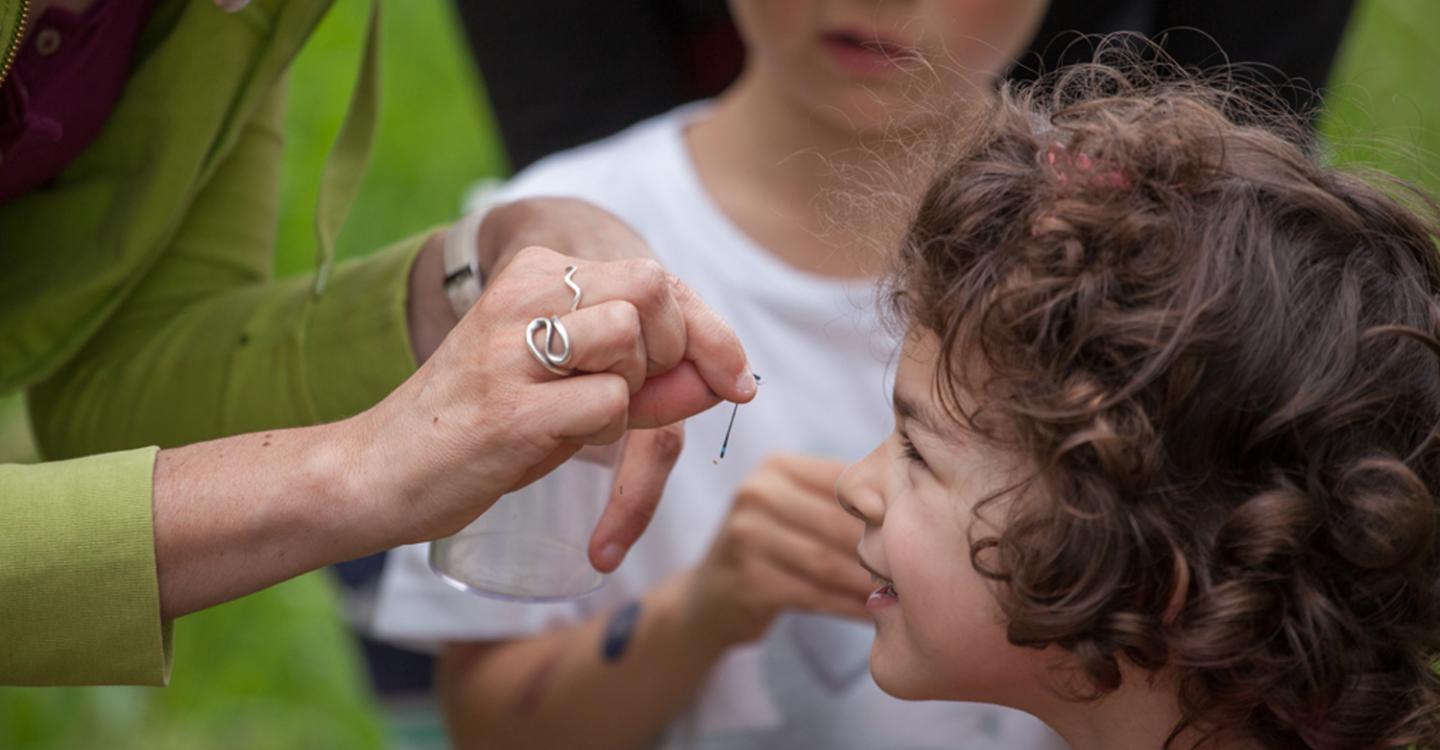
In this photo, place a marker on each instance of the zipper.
(14, 52)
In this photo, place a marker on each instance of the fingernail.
(611, 556)
(746, 383)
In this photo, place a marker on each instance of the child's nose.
(858, 490)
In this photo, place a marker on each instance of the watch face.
(12, 16)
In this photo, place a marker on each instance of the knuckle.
(748, 572)
(679, 289)
(625, 319)
(533, 254)
(667, 442)
(744, 528)
(771, 470)
(775, 463)
(639, 513)
(652, 280)
(749, 494)
(616, 395)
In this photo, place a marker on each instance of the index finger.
(645, 464)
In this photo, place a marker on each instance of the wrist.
(501, 234)
(341, 477)
(428, 309)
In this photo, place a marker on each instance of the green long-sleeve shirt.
(137, 305)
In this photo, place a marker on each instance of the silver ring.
(545, 353)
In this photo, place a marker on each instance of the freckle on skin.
(434, 420)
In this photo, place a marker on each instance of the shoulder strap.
(345, 165)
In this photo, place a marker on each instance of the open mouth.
(885, 592)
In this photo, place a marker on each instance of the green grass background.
(276, 670)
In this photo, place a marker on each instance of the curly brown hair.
(1221, 356)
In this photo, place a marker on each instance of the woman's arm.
(234, 515)
(210, 344)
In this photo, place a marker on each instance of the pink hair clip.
(1064, 164)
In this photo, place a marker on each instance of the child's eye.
(909, 451)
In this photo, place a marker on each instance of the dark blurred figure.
(560, 73)
(565, 72)
(1289, 44)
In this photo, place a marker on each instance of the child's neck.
(1138, 716)
(771, 166)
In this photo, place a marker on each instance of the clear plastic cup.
(532, 545)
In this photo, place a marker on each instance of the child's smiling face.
(939, 631)
(862, 63)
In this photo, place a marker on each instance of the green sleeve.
(77, 574)
(210, 344)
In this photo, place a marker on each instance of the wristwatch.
(464, 280)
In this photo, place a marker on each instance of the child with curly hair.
(1163, 471)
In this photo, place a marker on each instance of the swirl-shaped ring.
(546, 354)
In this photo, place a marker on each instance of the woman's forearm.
(235, 515)
(559, 690)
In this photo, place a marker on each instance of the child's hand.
(786, 545)
(571, 226)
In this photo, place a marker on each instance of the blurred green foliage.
(1383, 103)
(277, 670)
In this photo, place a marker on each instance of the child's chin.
(891, 676)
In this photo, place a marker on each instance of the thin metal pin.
(725, 444)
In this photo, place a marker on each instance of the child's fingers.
(820, 474)
(785, 589)
(648, 457)
(803, 507)
(803, 555)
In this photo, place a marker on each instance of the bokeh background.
(278, 670)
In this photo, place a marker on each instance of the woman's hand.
(482, 417)
(785, 545)
(582, 230)
(569, 226)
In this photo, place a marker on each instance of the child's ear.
(1179, 589)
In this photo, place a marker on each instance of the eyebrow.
(914, 411)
